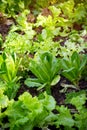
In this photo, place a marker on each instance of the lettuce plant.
(29, 112)
(47, 45)
(46, 68)
(78, 99)
(8, 73)
(64, 118)
(73, 67)
(11, 7)
(74, 117)
(4, 101)
(17, 43)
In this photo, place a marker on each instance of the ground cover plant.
(43, 65)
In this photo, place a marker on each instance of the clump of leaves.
(80, 13)
(46, 45)
(74, 13)
(46, 68)
(11, 7)
(29, 112)
(8, 73)
(20, 36)
(19, 43)
(73, 67)
(75, 116)
(78, 99)
(64, 117)
(3, 105)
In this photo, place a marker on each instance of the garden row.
(43, 65)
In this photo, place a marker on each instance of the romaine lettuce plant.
(8, 73)
(46, 68)
(73, 67)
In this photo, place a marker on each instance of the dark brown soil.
(31, 18)
(4, 29)
(59, 97)
(77, 26)
(83, 85)
(24, 88)
(46, 12)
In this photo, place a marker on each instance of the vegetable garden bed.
(43, 65)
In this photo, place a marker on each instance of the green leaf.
(44, 34)
(83, 62)
(31, 103)
(38, 71)
(68, 70)
(55, 80)
(3, 100)
(2, 71)
(32, 82)
(76, 98)
(42, 86)
(79, 100)
(69, 76)
(55, 67)
(64, 117)
(4, 56)
(75, 59)
(48, 102)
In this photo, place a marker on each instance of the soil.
(56, 91)
(4, 30)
